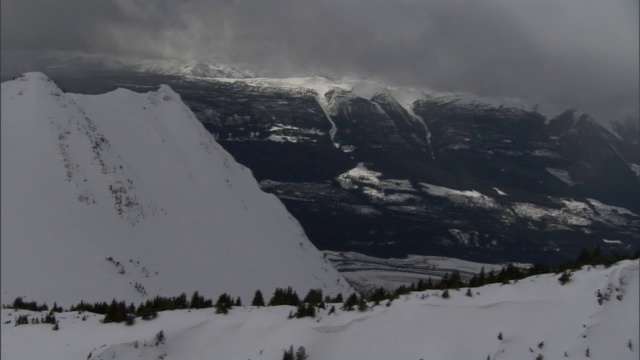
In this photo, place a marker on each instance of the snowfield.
(535, 316)
(126, 195)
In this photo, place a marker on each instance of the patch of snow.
(562, 175)
(545, 153)
(613, 214)
(347, 148)
(501, 193)
(464, 197)
(606, 241)
(283, 138)
(360, 174)
(564, 216)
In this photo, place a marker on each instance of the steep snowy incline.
(534, 318)
(103, 192)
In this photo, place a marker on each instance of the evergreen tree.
(338, 299)
(362, 304)
(301, 354)
(160, 337)
(565, 277)
(288, 354)
(180, 302)
(351, 302)
(445, 294)
(258, 300)
(380, 294)
(314, 297)
(224, 303)
(197, 301)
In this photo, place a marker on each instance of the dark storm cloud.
(576, 53)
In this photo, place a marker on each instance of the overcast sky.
(577, 53)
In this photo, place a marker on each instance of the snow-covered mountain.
(534, 318)
(391, 172)
(207, 69)
(126, 195)
(78, 64)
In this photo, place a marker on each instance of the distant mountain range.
(390, 172)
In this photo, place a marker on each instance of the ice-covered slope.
(536, 316)
(103, 192)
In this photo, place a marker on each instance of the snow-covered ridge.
(135, 178)
(15, 62)
(520, 321)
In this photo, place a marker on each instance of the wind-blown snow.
(137, 178)
(535, 316)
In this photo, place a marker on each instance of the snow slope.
(137, 179)
(535, 315)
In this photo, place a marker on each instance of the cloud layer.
(574, 53)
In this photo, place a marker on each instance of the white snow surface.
(532, 312)
(562, 175)
(137, 178)
(464, 197)
(500, 192)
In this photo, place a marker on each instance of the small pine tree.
(362, 304)
(160, 338)
(288, 354)
(500, 336)
(301, 354)
(445, 294)
(56, 327)
(258, 300)
(338, 299)
(224, 303)
(469, 294)
(351, 302)
(587, 353)
(565, 277)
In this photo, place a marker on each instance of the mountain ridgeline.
(388, 172)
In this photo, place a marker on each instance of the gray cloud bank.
(574, 53)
